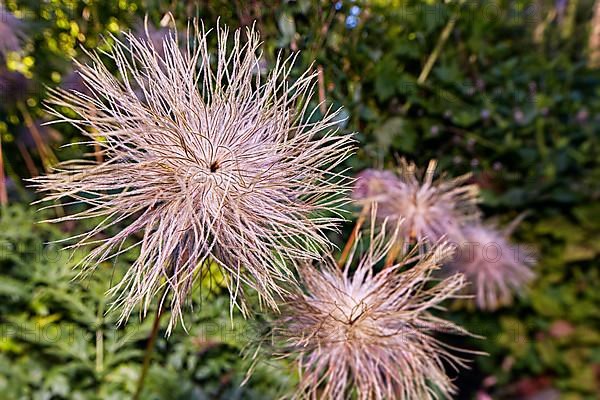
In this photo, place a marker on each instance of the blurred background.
(506, 89)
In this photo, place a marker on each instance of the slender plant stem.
(100, 338)
(46, 154)
(33, 171)
(150, 348)
(393, 254)
(433, 56)
(3, 192)
(436, 51)
(348, 246)
(321, 82)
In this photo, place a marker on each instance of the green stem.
(433, 57)
(3, 192)
(100, 338)
(149, 348)
(436, 51)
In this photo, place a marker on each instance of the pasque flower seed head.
(370, 333)
(206, 160)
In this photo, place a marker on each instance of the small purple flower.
(480, 84)
(11, 32)
(471, 143)
(518, 116)
(582, 115)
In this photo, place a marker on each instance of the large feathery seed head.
(370, 331)
(206, 160)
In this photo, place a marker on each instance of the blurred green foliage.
(509, 96)
(57, 340)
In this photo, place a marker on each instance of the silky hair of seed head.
(495, 268)
(206, 161)
(431, 209)
(369, 333)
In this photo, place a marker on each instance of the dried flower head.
(11, 32)
(370, 332)
(495, 268)
(213, 162)
(430, 209)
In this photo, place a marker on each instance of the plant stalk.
(149, 348)
(3, 192)
(348, 246)
(433, 57)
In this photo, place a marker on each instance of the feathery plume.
(370, 332)
(494, 268)
(430, 209)
(211, 162)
